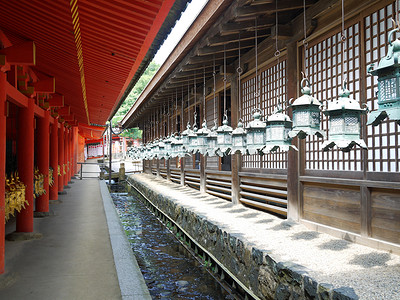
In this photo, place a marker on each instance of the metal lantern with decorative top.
(344, 122)
(185, 137)
(212, 145)
(193, 140)
(161, 146)
(173, 145)
(388, 73)
(255, 138)
(179, 151)
(278, 126)
(202, 134)
(306, 114)
(224, 138)
(168, 147)
(156, 149)
(239, 139)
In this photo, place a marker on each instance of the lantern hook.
(391, 33)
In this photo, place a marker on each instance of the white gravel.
(373, 274)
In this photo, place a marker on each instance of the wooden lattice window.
(326, 74)
(272, 83)
(382, 140)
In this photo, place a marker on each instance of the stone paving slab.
(333, 263)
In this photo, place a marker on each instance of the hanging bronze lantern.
(388, 73)
(185, 137)
(255, 138)
(224, 138)
(168, 147)
(212, 145)
(344, 122)
(202, 135)
(239, 139)
(306, 114)
(277, 132)
(193, 139)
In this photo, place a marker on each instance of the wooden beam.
(56, 100)
(227, 47)
(64, 111)
(284, 31)
(235, 27)
(47, 85)
(15, 96)
(232, 38)
(270, 8)
(22, 54)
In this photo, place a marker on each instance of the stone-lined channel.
(169, 270)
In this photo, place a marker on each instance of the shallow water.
(169, 270)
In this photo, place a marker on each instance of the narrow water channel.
(168, 268)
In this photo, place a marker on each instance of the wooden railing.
(219, 184)
(266, 192)
(192, 178)
(163, 173)
(175, 175)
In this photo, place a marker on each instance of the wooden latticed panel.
(248, 103)
(272, 85)
(382, 140)
(328, 66)
(212, 162)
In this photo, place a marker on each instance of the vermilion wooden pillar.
(71, 153)
(61, 157)
(66, 156)
(43, 159)
(54, 159)
(3, 113)
(25, 158)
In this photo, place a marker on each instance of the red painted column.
(66, 155)
(71, 153)
(43, 159)
(25, 158)
(3, 123)
(61, 157)
(54, 159)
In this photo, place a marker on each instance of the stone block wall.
(264, 275)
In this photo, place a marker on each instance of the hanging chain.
(277, 52)
(239, 71)
(225, 113)
(305, 42)
(204, 93)
(188, 104)
(195, 96)
(256, 92)
(176, 109)
(344, 49)
(396, 21)
(215, 104)
(182, 112)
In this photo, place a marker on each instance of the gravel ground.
(373, 274)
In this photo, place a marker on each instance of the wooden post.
(183, 171)
(203, 162)
(42, 158)
(168, 169)
(158, 168)
(54, 159)
(3, 118)
(66, 155)
(61, 157)
(236, 159)
(293, 156)
(25, 158)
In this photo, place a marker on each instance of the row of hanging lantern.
(277, 130)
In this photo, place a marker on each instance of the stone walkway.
(74, 259)
(373, 274)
